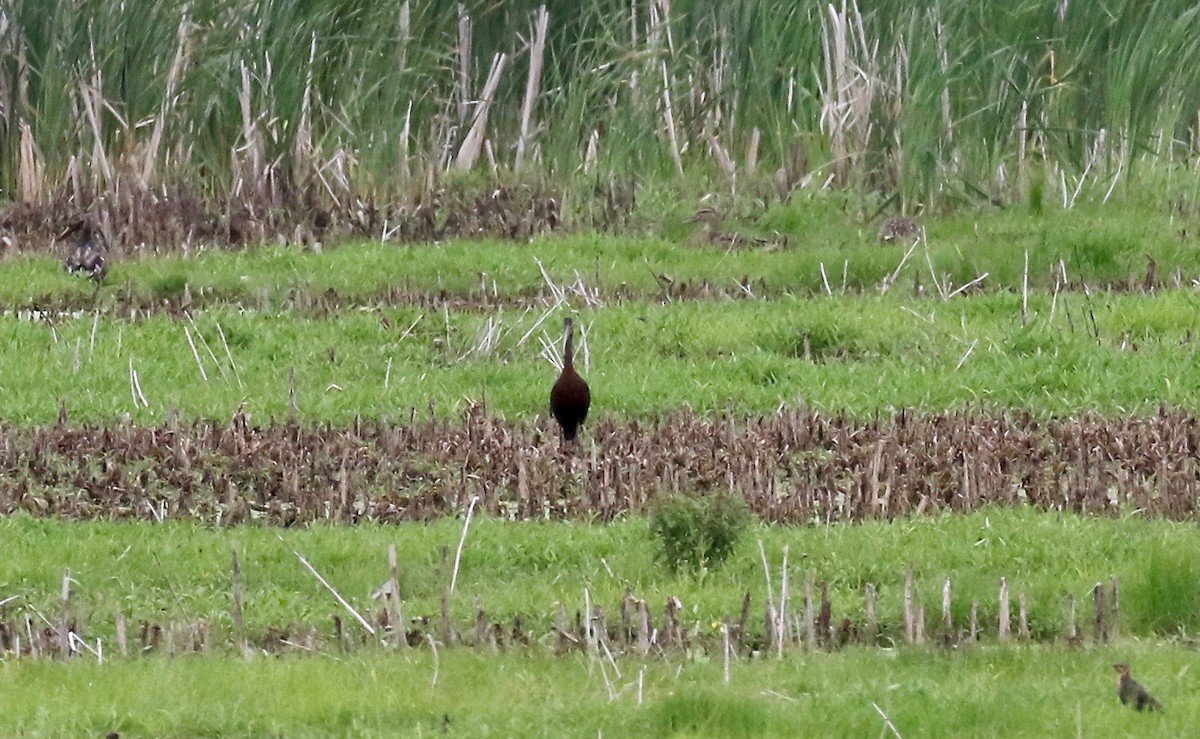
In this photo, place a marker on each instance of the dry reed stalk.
(135, 388)
(608, 684)
(783, 598)
(462, 542)
(292, 409)
(724, 161)
(944, 66)
(168, 102)
(752, 150)
(92, 101)
(947, 618)
(1101, 623)
(337, 596)
(465, 33)
(974, 620)
(536, 58)
(229, 355)
(871, 628)
(825, 281)
(963, 360)
(239, 623)
(203, 342)
(1115, 609)
(252, 142)
(849, 87)
(669, 121)
(726, 650)
(95, 328)
(303, 153)
(591, 151)
(64, 629)
(195, 354)
(75, 644)
(909, 611)
(1003, 632)
(772, 617)
(589, 631)
(825, 618)
(645, 637)
(436, 665)
(809, 631)
(1073, 636)
(1022, 139)
(1022, 616)
(1025, 291)
(31, 168)
(887, 721)
(968, 285)
(671, 634)
(891, 279)
(405, 34)
(1116, 177)
(943, 289)
(404, 154)
(662, 20)
(481, 628)
(122, 641)
(468, 153)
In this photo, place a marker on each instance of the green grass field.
(180, 572)
(342, 241)
(385, 342)
(383, 331)
(1008, 692)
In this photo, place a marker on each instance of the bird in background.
(570, 397)
(712, 233)
(1131, 691)
(89, 256)
(900, 229)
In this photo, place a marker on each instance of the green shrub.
(698, 531)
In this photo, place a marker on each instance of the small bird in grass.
(570, 397)
(89, 255)
(1131, 691)
(712, 233)
(899, 228)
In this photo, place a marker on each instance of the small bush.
(698, 531)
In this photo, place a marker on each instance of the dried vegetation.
(795, 466)
(141, 222)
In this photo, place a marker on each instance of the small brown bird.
(899, 228)
(570, 397)
(712, 233)
(1131, 691)
(89, 255)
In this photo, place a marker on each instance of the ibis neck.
(569, 349)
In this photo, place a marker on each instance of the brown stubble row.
(143, 222)
(634, 627)
(133, 302)
(795, 466)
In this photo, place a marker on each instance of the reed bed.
(275, 114)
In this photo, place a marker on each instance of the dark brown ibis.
(570, 397)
